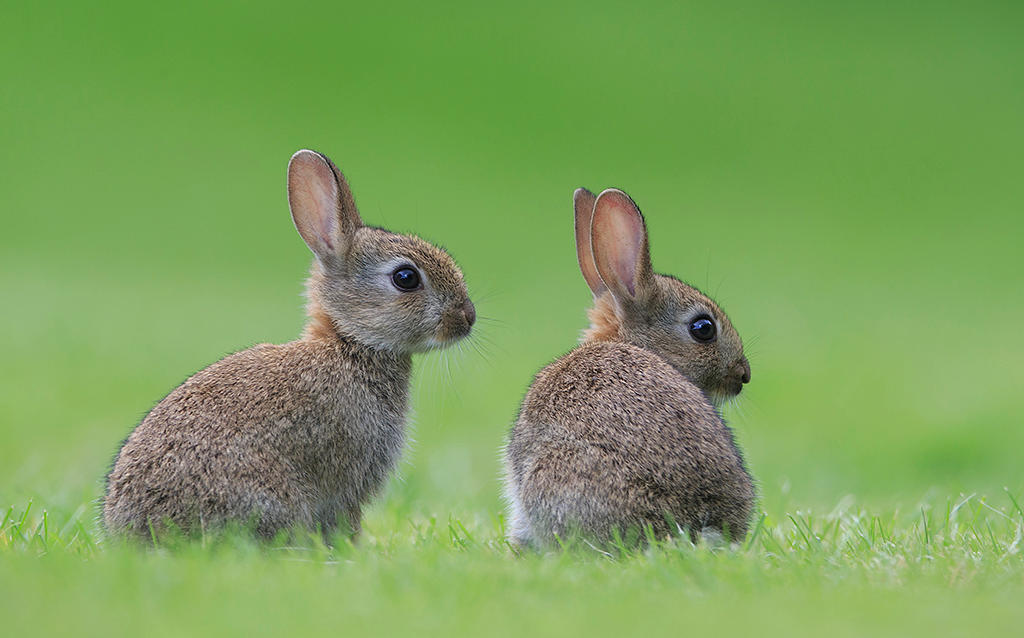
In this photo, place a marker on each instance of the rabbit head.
(659, 313)
(386, 290)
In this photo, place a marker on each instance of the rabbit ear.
(619, 244)
(322, 205)
(583, 205)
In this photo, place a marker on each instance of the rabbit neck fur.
(319, 326)
(605, 323)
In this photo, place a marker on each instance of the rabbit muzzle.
(457, 322)
(739, 375)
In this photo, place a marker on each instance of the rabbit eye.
(405, 278)
(702, 329)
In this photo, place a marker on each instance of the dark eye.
(406, 278)
(702, 329)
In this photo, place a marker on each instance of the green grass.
(943, 567)
(844, 178)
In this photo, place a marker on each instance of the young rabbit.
(300, 434)
(623, 432)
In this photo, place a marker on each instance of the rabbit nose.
(469, 310)
(742, 370)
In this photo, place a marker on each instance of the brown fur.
(622, 433)
(304, 433)
(604, 323)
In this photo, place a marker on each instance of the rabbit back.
(278, 436)
(610, 437)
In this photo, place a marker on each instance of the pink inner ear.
(313, 197)
(618, 237)
(325, 192)
(627, 228)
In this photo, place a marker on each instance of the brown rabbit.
(623, 433)
(300, 434)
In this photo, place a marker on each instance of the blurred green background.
(845, 178)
